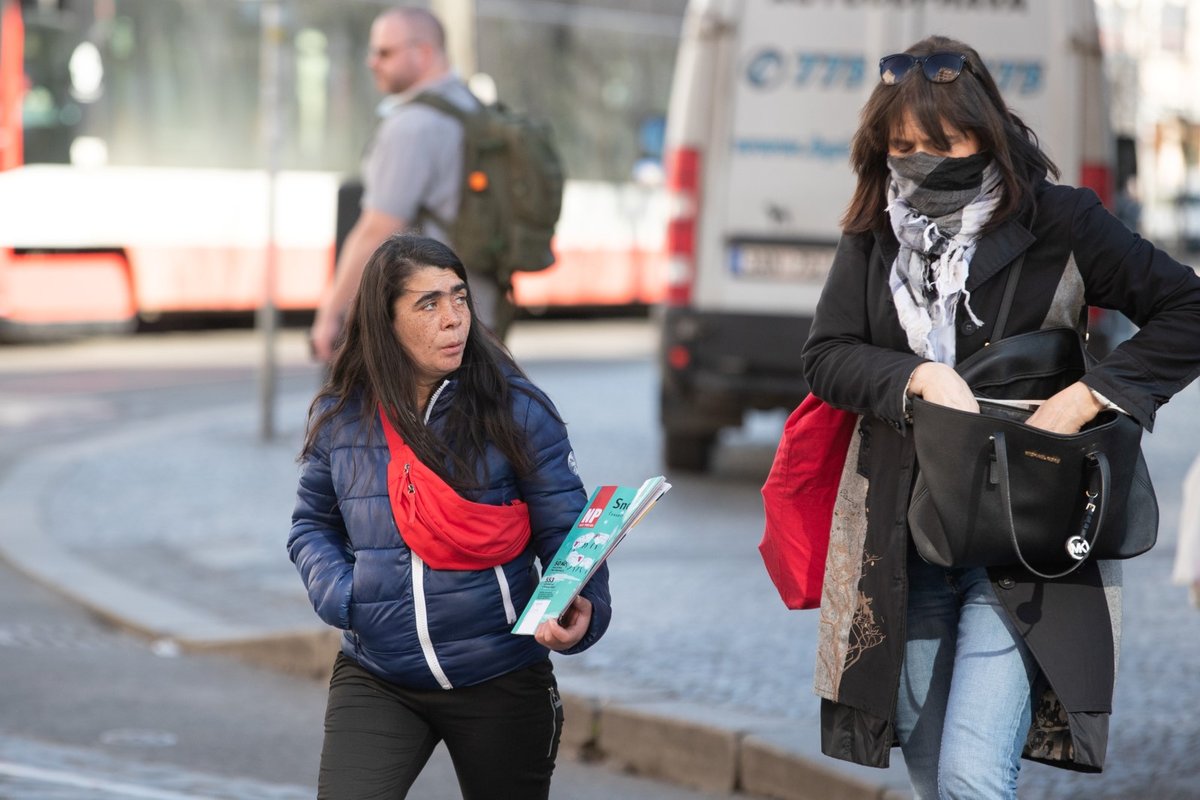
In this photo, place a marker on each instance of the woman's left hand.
(565, 635)
(1067, 411)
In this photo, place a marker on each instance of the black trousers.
(502, 735)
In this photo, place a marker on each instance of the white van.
(766, 97)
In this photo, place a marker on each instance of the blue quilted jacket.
(410, 624)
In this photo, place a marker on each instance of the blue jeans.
(965, 700)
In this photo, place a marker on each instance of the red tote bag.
(798, 498)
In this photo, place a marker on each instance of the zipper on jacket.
(433, 399)
(418, 581)
(418, 585)
(510, 613)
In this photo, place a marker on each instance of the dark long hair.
(972, 103)
(372, 366)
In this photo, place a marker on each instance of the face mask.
(937, 185)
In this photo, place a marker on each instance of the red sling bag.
(441, 526)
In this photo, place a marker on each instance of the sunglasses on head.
(938, 67)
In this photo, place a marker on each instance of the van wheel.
(688, 451)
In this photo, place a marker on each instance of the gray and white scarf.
(937, 207)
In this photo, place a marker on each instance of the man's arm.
(367, 234)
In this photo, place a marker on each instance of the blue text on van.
(771, 68)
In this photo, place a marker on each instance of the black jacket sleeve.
(1125, 272)
(846, 363)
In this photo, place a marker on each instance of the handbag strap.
(1079, 546)
(1010, 290)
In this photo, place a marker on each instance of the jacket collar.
(446, 388)
(996, 250)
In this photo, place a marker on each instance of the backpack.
(511, 191)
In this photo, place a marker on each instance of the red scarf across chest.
(441, 526)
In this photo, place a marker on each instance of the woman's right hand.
(939, 383)
(576, 620)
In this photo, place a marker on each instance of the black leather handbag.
(992, 491)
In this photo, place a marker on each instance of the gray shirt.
(414, 161)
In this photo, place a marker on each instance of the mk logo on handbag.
(1078, 548)
(1043, 457)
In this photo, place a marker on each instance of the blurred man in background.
(412, 169)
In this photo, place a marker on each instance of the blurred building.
(600, 70)
(1152, 52)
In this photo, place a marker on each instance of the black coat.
(857, 358)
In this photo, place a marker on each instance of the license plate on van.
(781, 262)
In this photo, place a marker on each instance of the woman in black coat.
(968, 670)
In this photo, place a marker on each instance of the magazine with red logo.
(610, 513)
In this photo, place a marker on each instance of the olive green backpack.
(512, 189)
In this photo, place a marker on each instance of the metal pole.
(271, 55)
(458, 16)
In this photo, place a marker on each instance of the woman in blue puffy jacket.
(433, 474)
